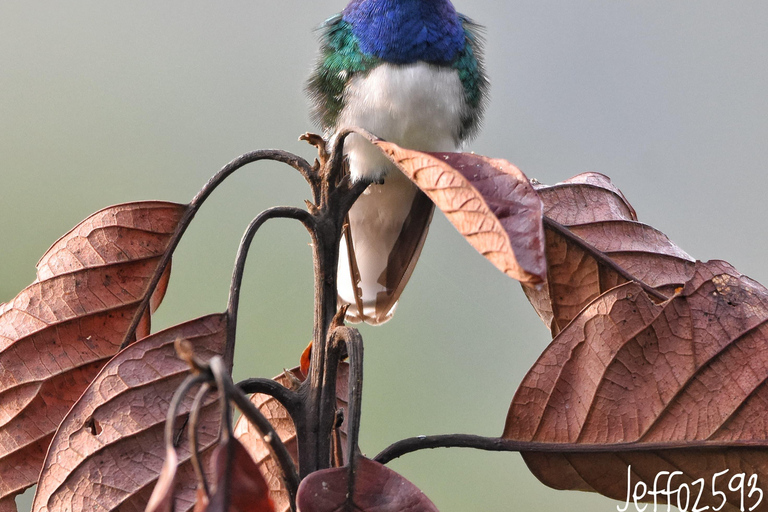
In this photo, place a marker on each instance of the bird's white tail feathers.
(387, 228)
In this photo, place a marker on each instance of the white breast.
(417, 106)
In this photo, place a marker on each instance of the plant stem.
(287, 398)
(499, 444)
(271, 439)
(336, 194)
(284, 212)
(194, 417)
(353, 343)
(294, 161)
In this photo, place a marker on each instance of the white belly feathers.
(417, 106)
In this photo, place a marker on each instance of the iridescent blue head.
(404, 31)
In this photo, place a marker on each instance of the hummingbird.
(410, 72)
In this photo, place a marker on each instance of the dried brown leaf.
(598, 213)
(162, 495)
(676, 386)
(490, 202)
(283, 424)
(377, 489)
(109, 451)
(241, 486)
(58, 332)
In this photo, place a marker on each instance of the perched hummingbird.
(410, 72)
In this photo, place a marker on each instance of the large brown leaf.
(377, 489)
(58, 332)
(490, 202)
(676, 386)
(109, 450)
(598, 213)
(283, 424)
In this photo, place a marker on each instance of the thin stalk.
(498, 444)
(353, 343)
(294, 161)
(271, 439)
(287, 398)
(221, 376)
(283, 212)
(170, 419)
(194, 417)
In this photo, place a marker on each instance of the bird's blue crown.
(404, 31)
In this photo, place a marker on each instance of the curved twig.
(194, 417)
(498, 444)
(221, 376)
(287, 398)
(189, 382)
(254, 156)
(284, 212)
(601, 257)
(271, 439)
(353, 342)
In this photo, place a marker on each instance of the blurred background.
(103, 102)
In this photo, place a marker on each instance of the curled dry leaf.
(594, 210)
(281, 420)
(377, 489)
(676, 386)
(109, 451)
(240, 485)
(58, 332)
(490, 202)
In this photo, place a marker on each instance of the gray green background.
(104, 102)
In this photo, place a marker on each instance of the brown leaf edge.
(57, 333)
(377, 489)
(109, 450)
(631, 389)
(489, 201)
(593, 243)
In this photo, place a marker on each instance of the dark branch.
(498, 444)
(221, 376)
(287, 398)
(194, 417)
(189, 382)
(285, 212)
(267, 154)
(271, 439)
(601, 257)
(353, 343)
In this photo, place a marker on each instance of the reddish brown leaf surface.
(283, 424)
(240, 487)
(109, 450)
(597, 212)
(162, 495)
(627, 370)
(377, 489)
(8, 504)
(490, 202)
(58, 332)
